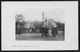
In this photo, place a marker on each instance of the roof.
(50, 22)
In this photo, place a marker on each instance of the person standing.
(54, 31)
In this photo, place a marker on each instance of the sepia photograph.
(40, 25)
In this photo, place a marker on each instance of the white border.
(8, 26)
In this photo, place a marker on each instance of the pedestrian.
(44, 31)
(54, 32)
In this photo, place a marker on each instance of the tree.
(61, 26)
(20, 23)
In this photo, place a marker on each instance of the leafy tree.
(20, 23)
(61, 26)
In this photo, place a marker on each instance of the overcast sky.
(32, 14)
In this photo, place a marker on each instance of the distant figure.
(54, 32)
(44, 31)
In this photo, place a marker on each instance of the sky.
(32, 14)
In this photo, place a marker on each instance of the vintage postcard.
(39, 25)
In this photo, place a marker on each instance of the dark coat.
(54, 32)
(44, 30)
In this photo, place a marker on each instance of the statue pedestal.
(49, 32)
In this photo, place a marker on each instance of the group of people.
(46, 32)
